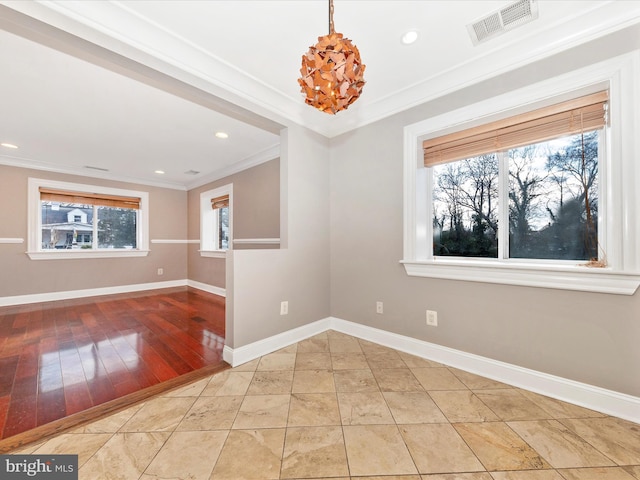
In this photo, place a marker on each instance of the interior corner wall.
(256, 215)
(19, 275)
(586, 337)
(298, 272)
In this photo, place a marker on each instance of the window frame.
(209, 222)
(620, 227)
(503, 234)
(34, 219)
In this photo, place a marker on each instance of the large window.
(74, 220)
(525, 187)
(536, 187)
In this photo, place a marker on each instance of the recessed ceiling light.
(409, 37)
(8, 145)
(160, 172)
(222, 135)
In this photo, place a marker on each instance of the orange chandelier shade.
(332, 72)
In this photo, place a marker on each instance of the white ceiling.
(89, 107)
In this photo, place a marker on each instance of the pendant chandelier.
(332, 72)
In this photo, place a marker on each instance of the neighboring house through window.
(68, 220)
(66, 226)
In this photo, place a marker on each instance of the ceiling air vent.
(91, 167)
(503, 20)
(191, 172)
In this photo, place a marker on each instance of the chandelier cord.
(331, 28)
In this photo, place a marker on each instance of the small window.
(220, 206)
(216, 221)
(75, 219)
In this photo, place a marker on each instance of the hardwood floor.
(62, 359)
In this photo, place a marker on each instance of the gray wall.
(258, 280)
(174, 215)
(591, 338)
(256, 214)
(19, 275)
(339, 257)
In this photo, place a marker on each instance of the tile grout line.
(379, 387)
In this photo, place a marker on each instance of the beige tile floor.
(335, 407)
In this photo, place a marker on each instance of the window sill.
(213, 253)
(563, 277)
(75, 254)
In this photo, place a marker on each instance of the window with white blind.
(69, 220)
(535, 187)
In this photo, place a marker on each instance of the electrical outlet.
(379, 307)
(160, 271)
(284, 308)
(432, 318)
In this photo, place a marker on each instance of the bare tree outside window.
(116, 227)
(553, 198)
(552, 190)
(465, 202)
(223, 228)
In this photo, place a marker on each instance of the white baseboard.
(92, 292)
(588, 396)
(238, 356)
(207, 288)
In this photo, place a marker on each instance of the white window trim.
(621, 75)
(207, 221)
(34, 218)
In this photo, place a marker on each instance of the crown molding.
(114, 26)
(564, 34)
(270, 153)
(82, 172)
